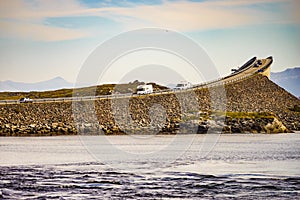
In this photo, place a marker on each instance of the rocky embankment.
(255, 105)
(259, 94)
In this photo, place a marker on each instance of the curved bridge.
(251, 67)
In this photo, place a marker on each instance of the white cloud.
(39, 32)
(183, 16)
(38, 9)
(190, 16)
(24, 19)
(20, 16)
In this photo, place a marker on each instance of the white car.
(183, 85)
(25, 100)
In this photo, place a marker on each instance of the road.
(234, 77)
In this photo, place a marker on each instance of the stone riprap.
(171, 113)
(259, 94)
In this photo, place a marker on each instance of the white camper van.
(144, 89)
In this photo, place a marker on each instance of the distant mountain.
(52, 84)
(171, 85)
(288, 79)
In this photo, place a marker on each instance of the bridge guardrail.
(49, 100)
(213, 83)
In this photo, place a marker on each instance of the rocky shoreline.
(255, 105)
(230, 125)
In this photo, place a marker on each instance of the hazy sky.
(42, 39)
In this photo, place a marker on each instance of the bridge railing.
(213, 83)
(83, 98)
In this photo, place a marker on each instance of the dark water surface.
(238, 166)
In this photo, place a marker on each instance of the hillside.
(105, 89)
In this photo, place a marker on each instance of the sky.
(43, 39)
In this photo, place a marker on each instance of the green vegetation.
(239, 115)
(236, 115)
(250, 114)
(296, 108)
(105, 89)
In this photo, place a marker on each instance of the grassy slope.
(105, 89)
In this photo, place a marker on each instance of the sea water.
(250, 166)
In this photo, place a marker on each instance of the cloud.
(38, 32)
(294, 12)
(191, 16)
(182, 16)
(25, 18)
(39, 9)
